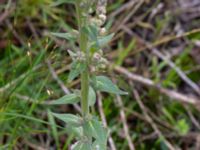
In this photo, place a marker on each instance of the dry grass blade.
(170, 93)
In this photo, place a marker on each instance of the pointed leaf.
(69, 119)
(67, 36)
(100, 132)
(53, 126)
(95, 129)
(103, 83)
(102, 41)
(72, 54)
(91, 31)
(77, 131)
(67, 99)
(92, 96)
(77, 68)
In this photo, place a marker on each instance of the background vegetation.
(155, 56)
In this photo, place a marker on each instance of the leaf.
(67, 36)
(95, 129)
(72, 54)
(182, 126)
(77, 68)
(69, 119)
(100, 132)
(53, 126)
(59, 2)
(92, 96)
(77, 131)
(104, 84)
(102, 41)
(67, 99)
(91, 31)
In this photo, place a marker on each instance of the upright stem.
(85, 75)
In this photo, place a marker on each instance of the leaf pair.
(96, 41)
(75, 98)
(92, 128)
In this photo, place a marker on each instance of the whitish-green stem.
(85, 75)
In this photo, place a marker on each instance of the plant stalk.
(85, 75)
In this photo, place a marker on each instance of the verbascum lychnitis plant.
(87, 62)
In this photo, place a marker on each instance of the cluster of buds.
(101, 11)
(98, 62)
(79, 56)
(100, 17)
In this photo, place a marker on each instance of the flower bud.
(96, 57)
(102, 31)
(102, 17)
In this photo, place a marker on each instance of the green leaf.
(67, 36)
(95, 129)
(92, 96)
(70, 119)
(77, 68)
(53, 126)
(76, 131)
(104, 84)
(59, 2)
(100, 132)
(102, 41)
(91, 31)
(67, 99)
(182, 127)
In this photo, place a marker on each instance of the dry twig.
(103, 118)
(170, 93)
(150, 120)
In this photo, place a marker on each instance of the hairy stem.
(85, 75)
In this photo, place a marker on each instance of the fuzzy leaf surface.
(67, 99)
(77, 68)
(92, 96)
(104, 84)
(70, 119)
(95, 129)
(67, 36)
(102, 41)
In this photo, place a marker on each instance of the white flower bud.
(99, 22)
(97, 57)
(102, 17)
(102, 31)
